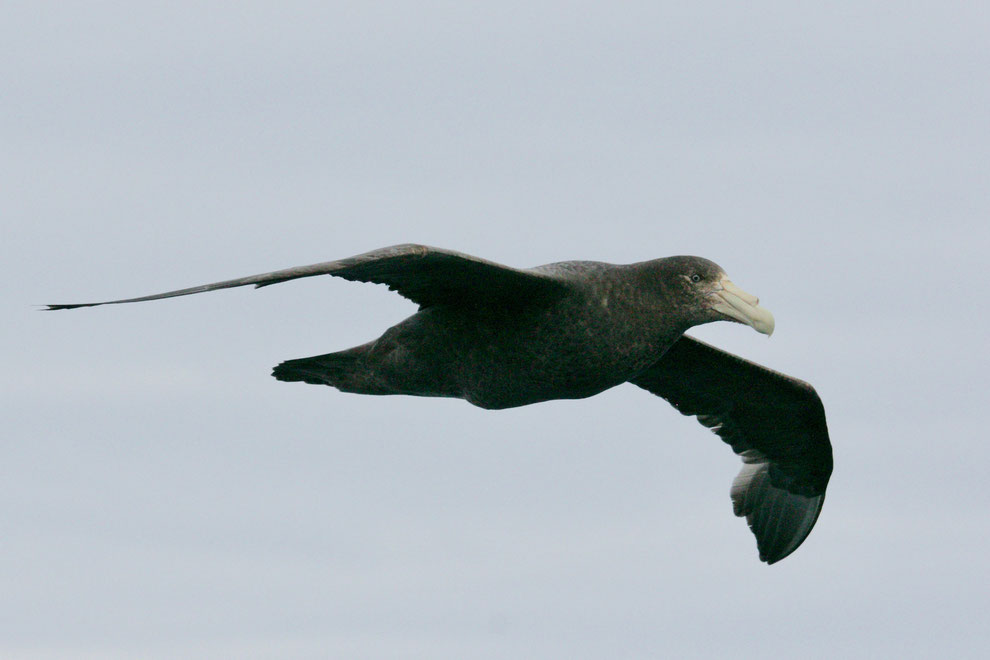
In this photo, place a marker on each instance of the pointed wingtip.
(52, 308)
(779, 520)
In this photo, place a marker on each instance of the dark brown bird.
(501, 337)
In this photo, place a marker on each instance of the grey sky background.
(161, 496)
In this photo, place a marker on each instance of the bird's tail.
(344, 370)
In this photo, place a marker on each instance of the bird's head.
(703, 289)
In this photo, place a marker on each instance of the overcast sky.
(162, 496)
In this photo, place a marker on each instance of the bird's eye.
(696, 278)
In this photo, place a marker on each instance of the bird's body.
(597, 336)
(502, 337)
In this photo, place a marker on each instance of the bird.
(500, 337)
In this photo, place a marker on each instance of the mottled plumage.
(501, 337)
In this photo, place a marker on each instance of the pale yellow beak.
(741, 306)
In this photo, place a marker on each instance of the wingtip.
(52, 308)
(780, 520)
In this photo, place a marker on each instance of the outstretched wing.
(774, 422)
(426, 275)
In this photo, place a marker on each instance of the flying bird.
(501, 337)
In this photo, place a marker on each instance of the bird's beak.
(741, 306)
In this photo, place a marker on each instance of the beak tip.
(766, 325)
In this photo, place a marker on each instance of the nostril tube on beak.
(749, 298)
